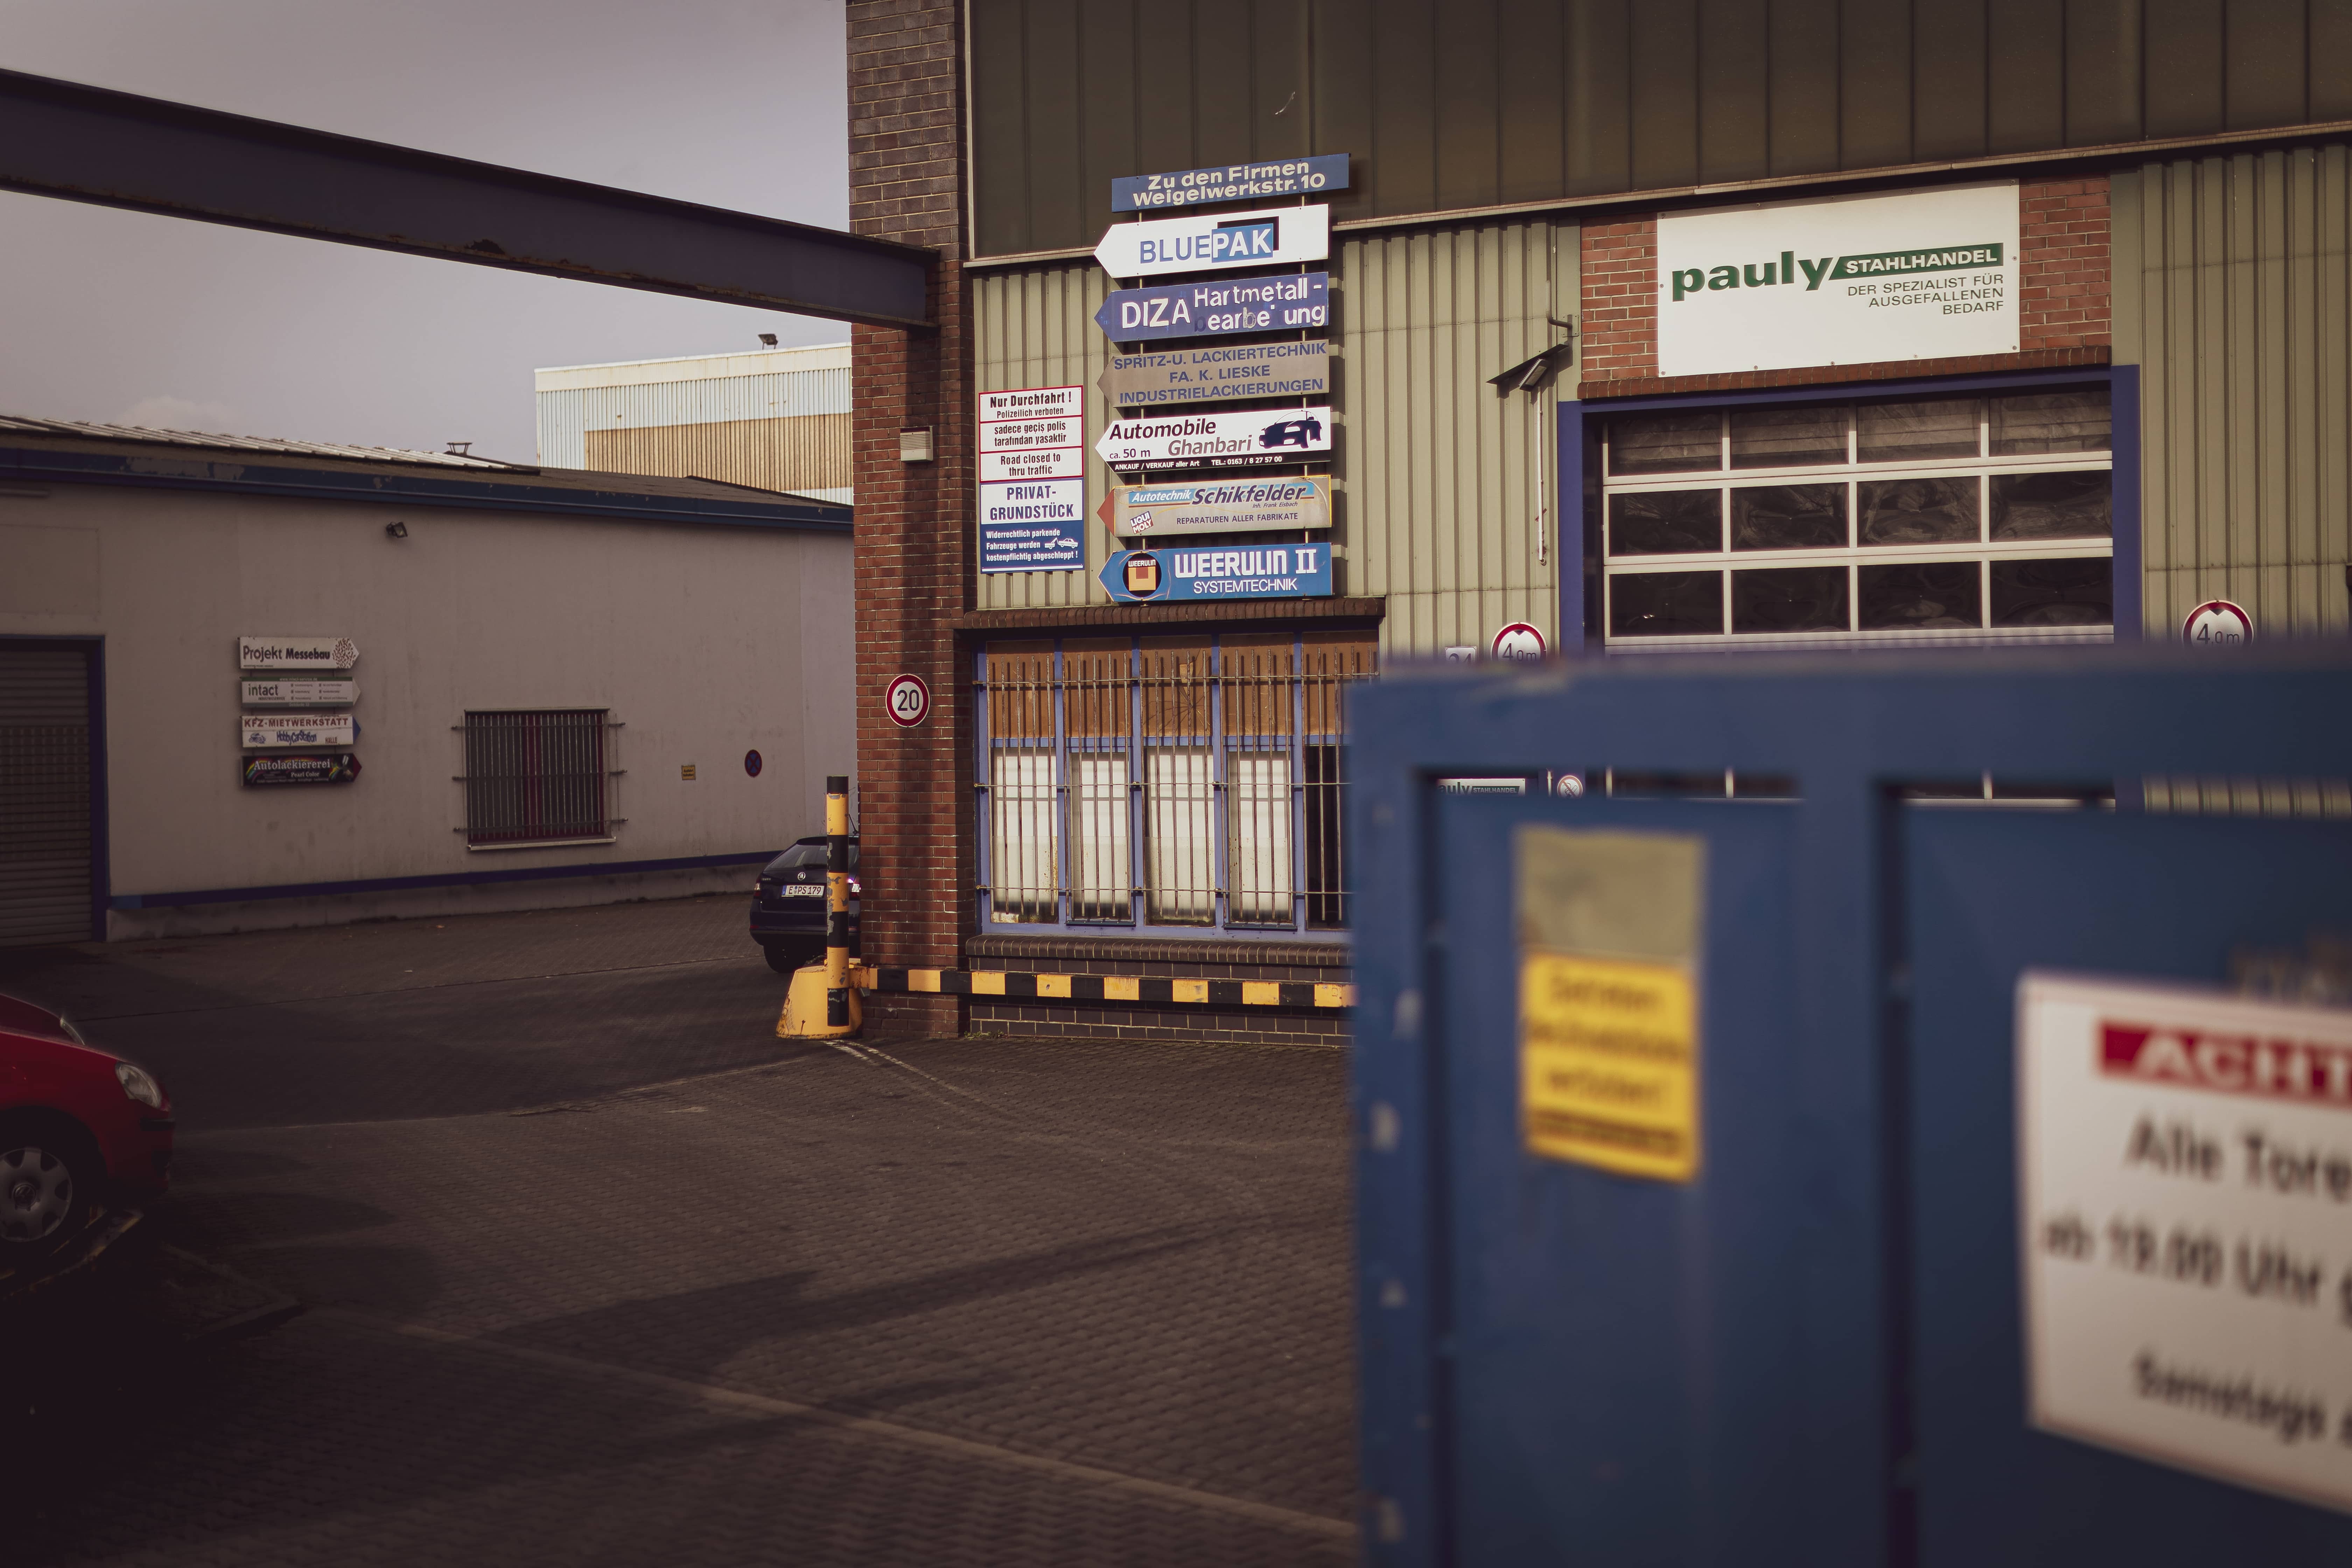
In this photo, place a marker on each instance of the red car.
(77, 1127)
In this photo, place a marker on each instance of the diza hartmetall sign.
(1853, 280)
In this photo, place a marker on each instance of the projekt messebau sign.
(1856, 280)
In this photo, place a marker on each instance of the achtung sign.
(1609, 1014)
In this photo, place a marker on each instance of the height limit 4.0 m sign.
(908, 700)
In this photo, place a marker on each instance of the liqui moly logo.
(2301, 1071)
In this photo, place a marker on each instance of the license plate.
(804, 891)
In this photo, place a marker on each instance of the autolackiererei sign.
(1214, 440)
(1232, 571)
(1231, 182)
(1204, 242)
(1214, 374)
(1853, 280)
(1297, 301)
(1220, 506)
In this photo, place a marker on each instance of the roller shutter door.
(45, 799)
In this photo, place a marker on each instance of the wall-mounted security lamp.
(767, 340)
(1534, 375)
(395, 530)
(915, 446)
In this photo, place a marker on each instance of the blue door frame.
(1436, 975)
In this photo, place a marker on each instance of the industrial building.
(250, 683)
(1632, 330)
(776, 419)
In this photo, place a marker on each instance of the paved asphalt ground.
(594, 1269)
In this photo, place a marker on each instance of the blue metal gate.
(1813, 1353)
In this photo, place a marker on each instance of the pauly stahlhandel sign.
(1228, 572)
(1853, 280)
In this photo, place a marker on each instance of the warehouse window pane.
(1787, 517)
(1929, 427)
(1664, 604)
(1925, 596)
(1665, 523)
(2054, 506)
(1666, 443)
(2033, 423)
(536, 775)
(2074, 592)
(1789, 599)
(1790, 436)
(1919, 511)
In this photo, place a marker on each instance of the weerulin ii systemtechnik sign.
(1852, 280)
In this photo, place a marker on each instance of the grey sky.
(120, 316)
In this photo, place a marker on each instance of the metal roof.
(24, 425)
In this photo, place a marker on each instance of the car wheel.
(48, 1179)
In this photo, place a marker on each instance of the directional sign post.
(1299, 302)
(1206, 242)
(1254, 440)
(1230, 571)
(1222, 506)
(1231, 182)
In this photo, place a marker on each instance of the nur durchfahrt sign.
(1854, 280)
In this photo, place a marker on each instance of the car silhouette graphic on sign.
(1300, 433)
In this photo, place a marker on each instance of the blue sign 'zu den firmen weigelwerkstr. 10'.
(1231, 182)
(1292, 302)
(1167, 575)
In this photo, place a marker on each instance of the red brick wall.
(2062, 303)
(913, 554)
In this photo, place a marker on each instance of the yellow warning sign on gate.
(1609, 1064)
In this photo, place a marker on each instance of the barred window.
(1167, 781)
(1951, 518)
(536, 776)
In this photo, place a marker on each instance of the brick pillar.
(914, 551)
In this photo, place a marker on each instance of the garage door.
(44, 826)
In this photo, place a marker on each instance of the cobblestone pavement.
(596, 1269)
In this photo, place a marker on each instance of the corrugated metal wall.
(806, 454)
(1438, 476)
(2233, 294)
(1454, 104)
(566, 415)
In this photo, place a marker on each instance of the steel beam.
(116, 149)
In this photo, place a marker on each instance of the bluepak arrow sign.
(1202, 242)
(1295, 302)
(1230, 572)
(1231, 182)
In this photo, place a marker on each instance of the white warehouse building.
(250, 683)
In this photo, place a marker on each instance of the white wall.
(705, 642)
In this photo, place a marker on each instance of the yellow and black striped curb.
(1105, 987)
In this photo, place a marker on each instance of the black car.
(788, 906)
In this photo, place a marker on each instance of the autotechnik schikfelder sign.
(1856, 280)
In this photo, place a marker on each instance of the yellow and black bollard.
(821, 1002)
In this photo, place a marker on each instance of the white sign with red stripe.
(1034, 433)
(2185, 1185)
(908, 700)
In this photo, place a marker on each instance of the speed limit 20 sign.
(906, 700)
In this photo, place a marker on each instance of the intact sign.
(2185, 1226)
(1204, 242)
(1216, 440)
(1853, 280)
(1293, 302)
(1272, 572)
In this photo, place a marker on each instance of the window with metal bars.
(537, 777)
(1167, 781)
